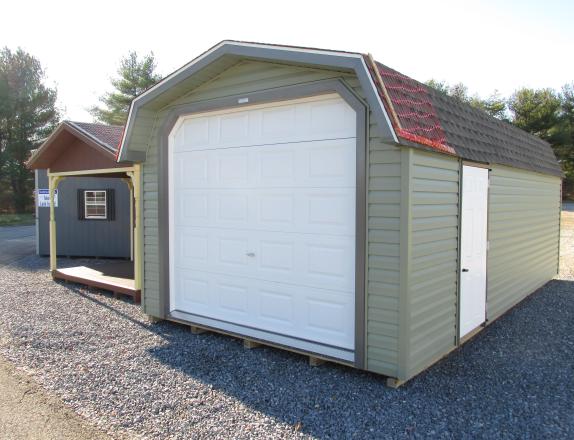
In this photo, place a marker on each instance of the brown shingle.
(108, 136)
(472, 133)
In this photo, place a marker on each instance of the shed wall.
(523, 231)
(430, 287)
(412, 229)
(86, 238)
(382, 212)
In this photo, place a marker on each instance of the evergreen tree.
(28, 114)
(495, 105)
(536, 111)
(135, 76)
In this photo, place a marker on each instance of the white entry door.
(473, 248)
(262, 222)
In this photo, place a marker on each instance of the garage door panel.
(193, 208)
(231, 208)
(278, 123)
(263, 204)
(277, 307)
(277, 255)
(331, 316)
(194, 133)
(194, 292)
(316, 164)
(192, 170)
(307, 211)
(311, 314)
(276, 210)
(297, 259)
(233, 296)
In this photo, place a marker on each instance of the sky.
(488, 45)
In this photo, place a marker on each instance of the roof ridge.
(93, 123)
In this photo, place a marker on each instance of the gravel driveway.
(132, 378)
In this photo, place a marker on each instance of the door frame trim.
(463, 163)
(272, 95)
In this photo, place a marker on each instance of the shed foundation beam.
(315, 361)
(250, 344)
(395, 383)
(197, 330)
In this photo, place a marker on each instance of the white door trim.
(474, 247)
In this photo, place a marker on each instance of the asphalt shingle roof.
(108, 136)
(435, 120)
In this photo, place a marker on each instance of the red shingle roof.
(108, 136)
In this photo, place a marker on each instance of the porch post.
(130, 185)
(138, 250)
(52, 185)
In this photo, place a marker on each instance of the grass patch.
(16, 219)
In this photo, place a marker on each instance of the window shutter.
(81, 210)
(111, 202)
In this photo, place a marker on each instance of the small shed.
(92, 213)
(320, 201)
(84, 204)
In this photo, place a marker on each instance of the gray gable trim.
(311, 57)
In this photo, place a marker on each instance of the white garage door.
(262, 222)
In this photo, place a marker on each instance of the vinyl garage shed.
(320, 201)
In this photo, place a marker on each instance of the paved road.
(28, 412)
(16, 242)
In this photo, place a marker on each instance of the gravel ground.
(135, 379)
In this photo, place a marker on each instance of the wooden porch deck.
(115, 276)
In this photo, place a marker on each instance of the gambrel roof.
(407, 112)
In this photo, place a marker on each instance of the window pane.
(95, 203)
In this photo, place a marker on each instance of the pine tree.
(28, 114)
(134, 77)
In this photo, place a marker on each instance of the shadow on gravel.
(514, 379)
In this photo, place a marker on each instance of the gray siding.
(523, 231)
(382, 262)
(90, 238)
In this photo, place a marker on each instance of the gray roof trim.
(313, 57)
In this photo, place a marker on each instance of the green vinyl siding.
(383, 274)
(382, 212)
(524, 215)
(412, 225)
(430, 247)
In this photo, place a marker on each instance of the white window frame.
(96, 203)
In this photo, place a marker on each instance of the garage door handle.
(465, 270)
(250, 254)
